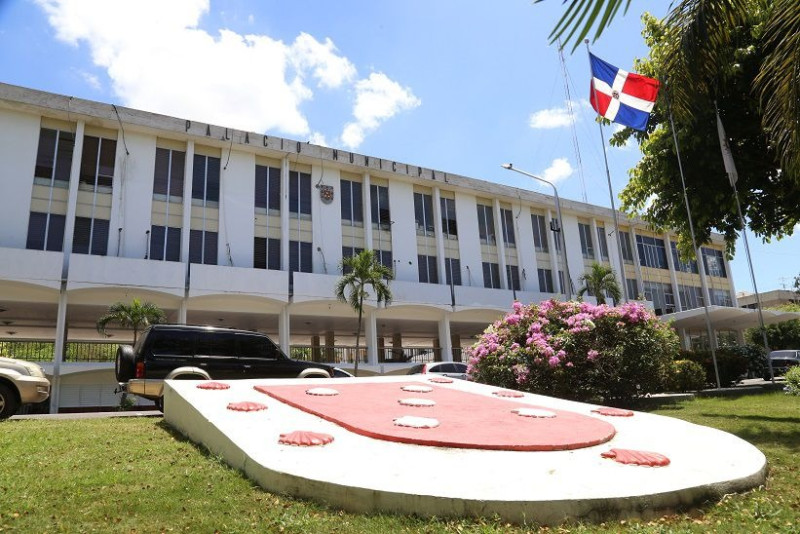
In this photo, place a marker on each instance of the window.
(715, 264)
(384, 257)
(539, 233)
(720, 297)
(91, 236)
(602, 242)
(491, 275)
(507, 219)
(587, 248)
(379, 204)
(452, 271)
(205, 180)
(349, 252)
(165, 243)
(627, 250)
(661, 296)
(268, 189)
(512, 277)
(423, 214)
(428, 273)
(545, 280)
(168, 176)
(486, 225)
(680, 265)
(54, 158)
(300, 257)
(45, 231)
(267, 253)
(633, 288)
(652, 252)
(691, 297)
(203, 247)
(449, 226)
(97, 163)
(300, 194)
(352, 204)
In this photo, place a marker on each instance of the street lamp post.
(559, 231)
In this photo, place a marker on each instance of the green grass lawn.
(137, 475)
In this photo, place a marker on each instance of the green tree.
(359, 273)
(599, 281)
(136, 315)
(741, 54)
(783, 335)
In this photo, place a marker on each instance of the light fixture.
(11, 332)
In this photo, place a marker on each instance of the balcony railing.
(43, 351)
(100, 351)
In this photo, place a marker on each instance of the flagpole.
(730, 169)
(618, 235)
(698, 256)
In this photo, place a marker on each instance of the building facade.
(219, 226)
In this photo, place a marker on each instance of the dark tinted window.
(257, 347)
(172, 343)
(217, 344)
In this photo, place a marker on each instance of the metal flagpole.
(733, 176)
(618, 236)
(698, 256)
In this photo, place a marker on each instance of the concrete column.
(455, 347)
(330, 352)
(285, 213)
(59, 347)
(437, 225)
(596, 239)
(731, 286)
(371, 336)
(72, 198)
(188, 173)
(443, 341)
(367, 209)
(673, 277)
(554, 263)
(501, 246)
(182, 311)
(686, 344)
(397, 346)
(283, 329)
(637, 265)
(316, 353)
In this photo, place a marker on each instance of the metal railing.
(332, 355)
(74, 351)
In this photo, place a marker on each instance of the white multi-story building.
(218, 226)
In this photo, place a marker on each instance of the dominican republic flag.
(620, 96)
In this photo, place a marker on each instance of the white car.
(21, 383)
(451, 369)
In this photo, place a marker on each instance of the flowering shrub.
(793, 380)
(576, 350)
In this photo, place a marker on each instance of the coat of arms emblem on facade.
(326, 193)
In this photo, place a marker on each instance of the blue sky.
(457, 86)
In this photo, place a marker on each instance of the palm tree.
(359, 272)
(136, 315)
(706, 33)
(598, 282)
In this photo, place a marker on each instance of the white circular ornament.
(322, 392)
(534, 412)
(417, 389)
(416, 422)
(417, 402)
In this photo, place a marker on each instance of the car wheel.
(125, 364)
(160, 404)
(8, 402)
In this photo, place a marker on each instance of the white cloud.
(378, 98)
(546, 119)
(559, 170)
(92, 80)
(317, 138)
(167, 64)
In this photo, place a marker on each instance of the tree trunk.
(358, 335)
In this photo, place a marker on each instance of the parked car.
(451, 369)
(341, 373)
(181, 352)
(781, 361)
(21, 383)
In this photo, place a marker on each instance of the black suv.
(180, 352)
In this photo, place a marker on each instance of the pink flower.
(553, 361)
(592, 355)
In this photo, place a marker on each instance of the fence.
(74, 351)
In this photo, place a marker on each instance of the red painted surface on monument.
(466, 420)
(632, 457)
